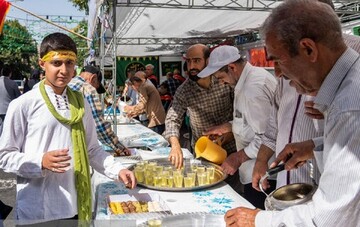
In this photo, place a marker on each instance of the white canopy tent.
(151, 30)
(171, 24)
(163, 27)
(168, 27)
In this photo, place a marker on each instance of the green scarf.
(81, 159)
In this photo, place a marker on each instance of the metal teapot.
(288, 195)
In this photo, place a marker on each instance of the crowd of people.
(308, 112)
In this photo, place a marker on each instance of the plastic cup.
(178, 172)
(193, 167)
(201, 177)
(139, 174)
(159, 169)
(169, 169)
(164, 175)
(188, 182)
(178, 180)
(211, 170)
(149, 177)
(157, 181)
(152, 164)
(170, 181)
(192, 175)
(200, 169)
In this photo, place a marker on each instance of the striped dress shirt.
(279, 127)
(336, 202)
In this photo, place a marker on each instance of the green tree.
(81, 44)
(18, 48)
(81, 5)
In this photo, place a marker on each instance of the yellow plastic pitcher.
(207, 149)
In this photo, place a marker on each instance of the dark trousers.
(234, 182)
(69, 222)
(2, 117)
(158, 128)
(255, 197)
(4, 212)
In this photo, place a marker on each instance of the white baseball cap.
(219, 57)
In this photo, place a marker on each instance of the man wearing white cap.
(254, 92)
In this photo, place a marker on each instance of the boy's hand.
(56, 160)
(128, 178)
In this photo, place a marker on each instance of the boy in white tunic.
(49, 141)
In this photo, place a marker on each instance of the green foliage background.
(81, 5)
(81, 44)
(18, 48)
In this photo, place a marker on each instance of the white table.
(214, 200)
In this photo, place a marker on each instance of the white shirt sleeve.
(299, 216)
(27, 165)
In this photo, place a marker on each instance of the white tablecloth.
(137, 135)
(214, 200)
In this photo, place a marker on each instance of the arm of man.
(173, 121)
(141, 106)
(105, 134)
(218, 129)
(261, 165)
(102, 161)
(295, 155)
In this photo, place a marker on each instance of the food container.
(206, 175)
(145, 206)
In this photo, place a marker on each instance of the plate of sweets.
(137, 206)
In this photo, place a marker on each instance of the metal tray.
(219, 174)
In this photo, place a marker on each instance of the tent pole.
(114, 66)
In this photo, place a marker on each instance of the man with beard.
(208, 102)
(254, 89)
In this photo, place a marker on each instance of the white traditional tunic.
(30, 130)
(254, 93)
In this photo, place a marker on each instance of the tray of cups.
(195, 174)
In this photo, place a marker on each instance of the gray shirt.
(8, 91)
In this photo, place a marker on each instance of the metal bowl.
(218, 177)
(289, 195)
